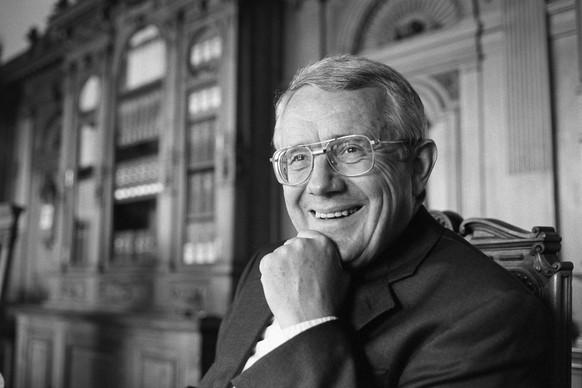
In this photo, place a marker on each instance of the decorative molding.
(390, 21)
(85, 32)
(172, 27)
(562, 18)
(125, 293)
(81, 23)
(157, 371)
(369, 24)
(528, 91)
(350, 22)
(450, 82)
(48, 138)
(439, 93)
(190, 297)
(73, 290)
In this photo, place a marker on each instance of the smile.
(338, 214)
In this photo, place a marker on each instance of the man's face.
(379, 204)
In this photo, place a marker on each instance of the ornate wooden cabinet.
(60, 349)
(148, 139)
(164, 120)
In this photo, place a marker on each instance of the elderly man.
(372, 291)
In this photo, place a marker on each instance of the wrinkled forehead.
(311, 114)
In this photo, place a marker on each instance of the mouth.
(337, 214)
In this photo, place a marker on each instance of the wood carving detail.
(75, 291)
(136, 293)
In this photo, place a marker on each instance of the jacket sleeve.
(501, 343)
(251, 266)
(322, 356)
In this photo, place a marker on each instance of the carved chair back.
(533, 258)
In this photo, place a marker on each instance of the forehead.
(313, 114)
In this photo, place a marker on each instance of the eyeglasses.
(350, 156)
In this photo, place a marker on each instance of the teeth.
(343, 213)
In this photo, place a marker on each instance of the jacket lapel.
(253, 316)
(372, 293)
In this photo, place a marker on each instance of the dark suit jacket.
(431, 311)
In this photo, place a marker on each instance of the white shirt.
(274, 336)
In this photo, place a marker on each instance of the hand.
(304, 279)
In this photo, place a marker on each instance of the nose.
(324, 180)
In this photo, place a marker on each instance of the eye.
(349, 150)
(297, 158)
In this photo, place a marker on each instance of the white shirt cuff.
(292, 331)
(274, 337)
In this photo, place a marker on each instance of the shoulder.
(459, 276)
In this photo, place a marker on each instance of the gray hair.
(403, 112)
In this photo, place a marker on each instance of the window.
(146, 58)
(206, 50)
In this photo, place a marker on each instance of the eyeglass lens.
(349, 156)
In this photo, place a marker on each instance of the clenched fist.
(304, 279)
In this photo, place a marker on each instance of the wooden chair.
(448, 219)
(533, 258)
(9, 214)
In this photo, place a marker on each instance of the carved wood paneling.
(189, 298)
(90, 350)
(157, 372)
(74, 290)
(134, 293)
(40, 367)
(91, 368)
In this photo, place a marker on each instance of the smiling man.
(372, 292)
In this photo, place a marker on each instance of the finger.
(314, 235)
(308, 233)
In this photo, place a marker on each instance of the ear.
(422, 164)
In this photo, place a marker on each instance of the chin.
(350, 257)
(354, 263)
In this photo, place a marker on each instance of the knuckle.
(264, 264)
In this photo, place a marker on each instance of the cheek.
(395, 178)
(397, 201)
(292, 196)
(394, 203)
(289, 194)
